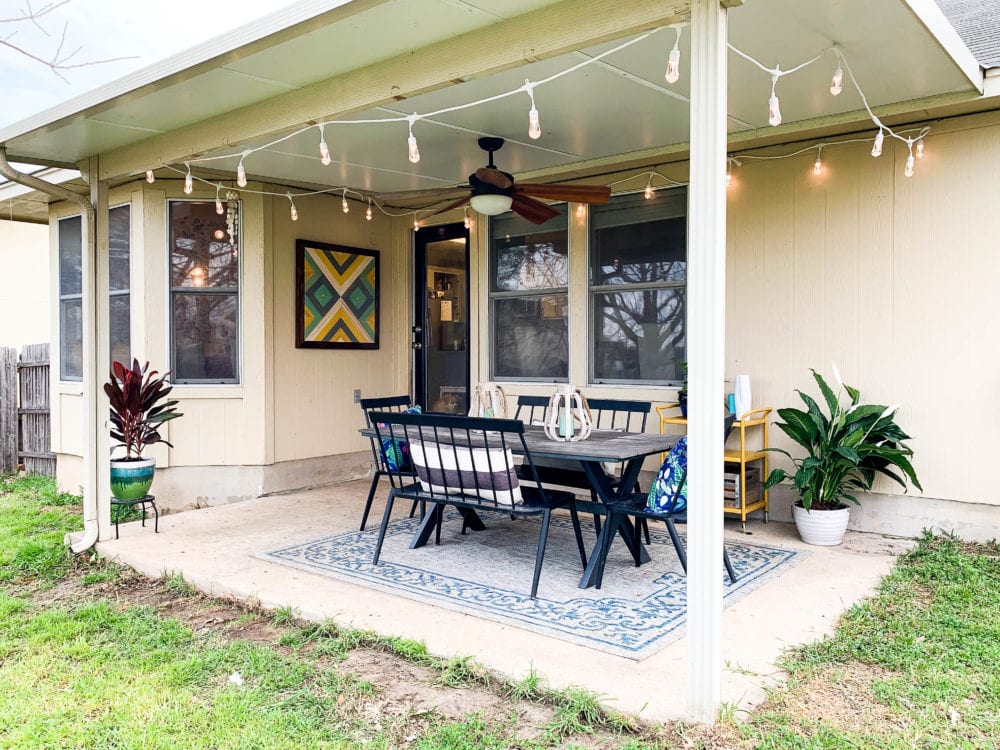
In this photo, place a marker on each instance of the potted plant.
(846, 449)
(682, 392)
(138, 408)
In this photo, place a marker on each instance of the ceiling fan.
(492, 191)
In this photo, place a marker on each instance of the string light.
(467, 221)
(773, 105)
(674, 60)
(150, 177)
(818, 164)
(188, 180)
(293, 212)
(411, 142)
(908, 170)
(343, 202)
(920, 149)
(877, 144)
(534, 126)
(648, 192)
(324, 150)
(837, 83)
(218, 202)
(368, 213)
(241, 172)
(729, 172)
(416, 222)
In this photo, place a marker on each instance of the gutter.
(90, 525)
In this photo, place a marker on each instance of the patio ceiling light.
(674, 60)
(491, 204)
(324, 150)
(188, 180)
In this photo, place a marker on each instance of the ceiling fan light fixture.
(491, 204)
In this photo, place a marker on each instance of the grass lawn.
(92, 656)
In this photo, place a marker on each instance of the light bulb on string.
(837, 82)
(920, 149)
(293, 212)
(648, 192)
(241, 171)
(729, 173)
(534, 125)
(674, 60)
(150, 177)
(188, 180)
(818, 164)
(344, 204)
(467, 221)
(416, 222)
(324, 150)
(908, 170)
(368, 213)
(773, 105)
(411, 141)
(218, 202)
(877, 144)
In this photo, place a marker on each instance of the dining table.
(601, 447)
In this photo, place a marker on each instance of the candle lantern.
(488, 400)
(569, 417)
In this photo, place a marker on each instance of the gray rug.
(637, 612)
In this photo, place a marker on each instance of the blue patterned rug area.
(637, 612)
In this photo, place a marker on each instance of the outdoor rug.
(637, 612)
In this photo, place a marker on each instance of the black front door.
(441, 315)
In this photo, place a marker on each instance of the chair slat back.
(384, 404)
(472, 457)
(615, 414)
(531, 408)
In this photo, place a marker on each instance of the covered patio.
(221, 551)
(241, 120)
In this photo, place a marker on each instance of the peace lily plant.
(846, 447)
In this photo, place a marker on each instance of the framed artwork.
(336, 296)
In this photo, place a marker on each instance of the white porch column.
(706, 349)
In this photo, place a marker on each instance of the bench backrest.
(531, 408)
(472, 457)
(383, 404)
(616, 414)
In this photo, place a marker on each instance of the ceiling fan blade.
(449, 207)
(494, 177)
(534, 211)
(405, 195)
(565, 192)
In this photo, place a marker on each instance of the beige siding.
(314, 413)
(24, 288)
(892, 278)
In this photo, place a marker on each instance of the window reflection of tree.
(205, 278)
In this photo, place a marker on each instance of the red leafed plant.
(136, 409)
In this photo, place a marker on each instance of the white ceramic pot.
(824, 528)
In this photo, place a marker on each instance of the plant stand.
(141, 502)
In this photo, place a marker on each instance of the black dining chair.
(395, 404)
(634, 506)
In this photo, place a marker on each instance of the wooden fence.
(25, 424)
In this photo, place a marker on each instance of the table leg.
(472, 519)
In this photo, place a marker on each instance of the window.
(71, 298)
(638, 279)
(529, 274)
(204, 292)
(120, 303)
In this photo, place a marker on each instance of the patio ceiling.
(266, 79)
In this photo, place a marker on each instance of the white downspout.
(91, 527)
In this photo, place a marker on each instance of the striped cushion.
(486, 472)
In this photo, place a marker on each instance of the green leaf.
(828, 394)
(849, 453)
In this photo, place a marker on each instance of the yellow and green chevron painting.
(339, 304)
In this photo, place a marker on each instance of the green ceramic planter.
(131, 480)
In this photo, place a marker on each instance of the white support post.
(706, 349)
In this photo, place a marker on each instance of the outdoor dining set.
(529, 466)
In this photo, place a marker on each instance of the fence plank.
(8, 410)
(35, 422)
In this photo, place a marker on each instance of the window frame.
(492, 296)
(127, 292)
(63, 298)
(173, 291)
(594, 290)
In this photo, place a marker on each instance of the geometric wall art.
(336, 296)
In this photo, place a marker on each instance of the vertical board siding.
(893, 278)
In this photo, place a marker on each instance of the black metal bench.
(468, 463)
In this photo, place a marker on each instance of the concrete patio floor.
(214, 549)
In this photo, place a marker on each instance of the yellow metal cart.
(741, 505)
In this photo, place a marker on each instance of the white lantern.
(569, 417)
(488, 400)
